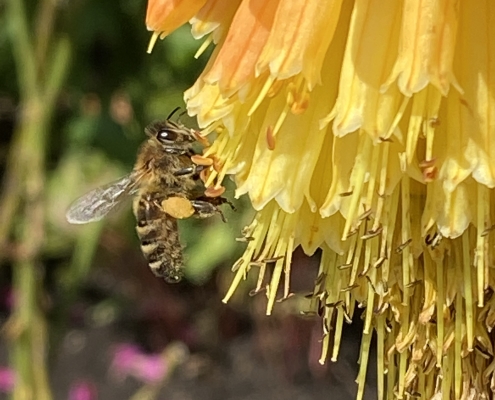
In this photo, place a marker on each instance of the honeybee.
(165, 185)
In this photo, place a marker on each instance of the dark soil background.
(228, 352)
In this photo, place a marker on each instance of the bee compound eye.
(166, 135)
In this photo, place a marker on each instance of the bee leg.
(205, 209)
(192, 170)
(217, 201)
(225, 201)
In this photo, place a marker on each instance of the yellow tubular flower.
(365, 128)
(164, 16)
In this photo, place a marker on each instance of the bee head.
(172, 136)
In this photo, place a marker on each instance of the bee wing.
(96, 204)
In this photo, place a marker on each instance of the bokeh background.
(82, 317)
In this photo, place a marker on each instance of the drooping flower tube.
(365, 128)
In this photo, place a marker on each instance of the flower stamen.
(204, 46)
(154, 38)
(261, 95)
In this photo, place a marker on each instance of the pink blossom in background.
(83, 390)
(129, 360)
(7, 380)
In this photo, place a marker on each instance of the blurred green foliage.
(104, 94)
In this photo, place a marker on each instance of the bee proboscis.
(165, 185)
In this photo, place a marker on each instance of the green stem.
(40, 85)
(26, 70)
(44, 29)
(29, 347)
(22, 47)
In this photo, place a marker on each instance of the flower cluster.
(364, 128)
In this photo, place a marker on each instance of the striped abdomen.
(159, 238)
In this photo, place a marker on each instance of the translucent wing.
(96, 204)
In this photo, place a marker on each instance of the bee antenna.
(181, 114)
(173, 112)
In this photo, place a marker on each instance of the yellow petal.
(164, 16)
(215, 16)
(234, 66)
(427, 42)
(289, 49)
